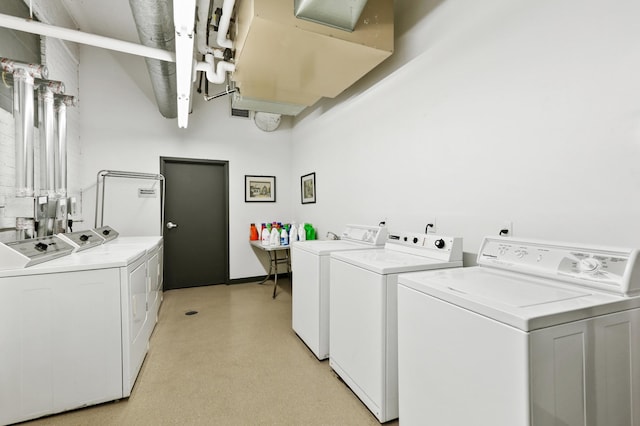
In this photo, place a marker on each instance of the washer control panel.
(373, 235)
(82, 240)
(430, 245)
(107, 233)
(24, 253)
(609, 269)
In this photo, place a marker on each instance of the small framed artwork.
(308, 188)
(260, 189)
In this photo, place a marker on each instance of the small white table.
(274, 261)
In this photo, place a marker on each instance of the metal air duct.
(45, 124)
(154, 22)
(23, 78)
(60, 150)
(342, 14)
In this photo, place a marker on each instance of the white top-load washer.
(540, 333)
(363, 312)
(310, 266)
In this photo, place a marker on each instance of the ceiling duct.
(342, 14)
(240, 102)
(154, 22)
(282, 60)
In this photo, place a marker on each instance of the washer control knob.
(415, 240)
(106, 232)
(439, 243)
(41, 246)
(589, 264)
(84, 237)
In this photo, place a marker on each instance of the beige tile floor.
(236, 362)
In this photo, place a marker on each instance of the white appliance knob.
(589, 264)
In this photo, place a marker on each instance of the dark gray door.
(196, 221)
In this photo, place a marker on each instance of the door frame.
(225, 164)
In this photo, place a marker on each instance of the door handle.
(171, 225)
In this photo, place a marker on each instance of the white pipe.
(215, 74)
(34, 27)
(223, 26)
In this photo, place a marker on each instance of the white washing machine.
(363, 312)
(310, 283)
(540, 333)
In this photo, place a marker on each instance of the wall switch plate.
(431, 229)
(506, 230)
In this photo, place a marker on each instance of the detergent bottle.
(284, 237)
(275, 236)
(293, 233)
(253, 232)
(302, 235)
(266, 235)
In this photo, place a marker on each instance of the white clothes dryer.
(363, 312)
(63, 325)
(310, 282)
(540, 333)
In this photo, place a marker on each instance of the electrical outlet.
(506, 230)
(431, 226)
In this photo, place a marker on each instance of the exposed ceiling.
(282, 64)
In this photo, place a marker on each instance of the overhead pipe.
(33, 27)
(103, 174)
(216, 74)
(225, 22)
(154, 22)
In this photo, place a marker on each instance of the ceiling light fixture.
(184, 22)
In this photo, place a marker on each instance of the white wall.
(516, 111)
(122, 130)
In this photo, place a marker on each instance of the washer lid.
(385, 261)
(525, 302)
(325, 247)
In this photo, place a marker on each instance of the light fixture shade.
(184, 13)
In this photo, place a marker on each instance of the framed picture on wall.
(308, 188)
(260, 189)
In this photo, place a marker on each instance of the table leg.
(270, 268)
(275, 276)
